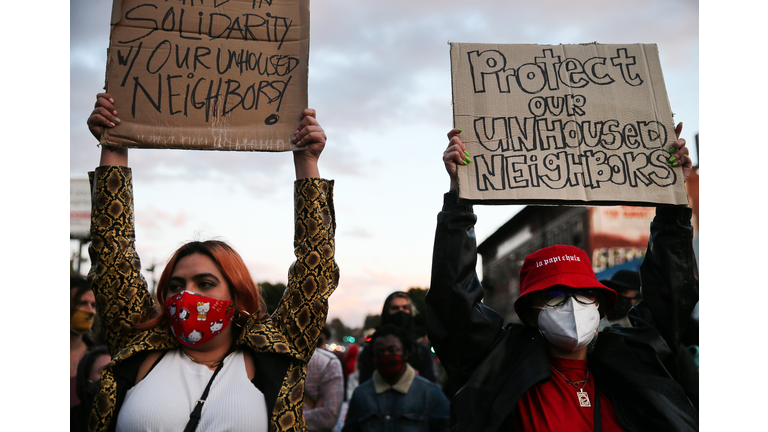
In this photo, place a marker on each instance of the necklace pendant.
(583, 399)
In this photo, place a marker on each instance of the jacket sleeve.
(115, 275)
(331, 388)
(669, 276)
(300, 315)
(461, 328)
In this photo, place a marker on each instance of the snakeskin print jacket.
(281, 344)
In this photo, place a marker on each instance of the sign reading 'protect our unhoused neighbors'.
(208, 74)
(558, 124)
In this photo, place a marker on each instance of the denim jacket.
(423, 408)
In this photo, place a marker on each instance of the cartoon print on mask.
(172, 311)
(193, 337)
(216, 327)
(183, 314)
(202, 310)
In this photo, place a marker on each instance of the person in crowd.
(82, 310)
(554, 372)
(399, 310)
(208, 341)
(88, 376)
(396, 398)
(325, 337)
(626, 283)
(324, 389)
(349, 366)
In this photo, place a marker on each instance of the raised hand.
(679, 153)
(311, 136)
(455, 155)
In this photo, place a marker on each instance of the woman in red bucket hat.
(556, 371)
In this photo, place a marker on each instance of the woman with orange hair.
(206, 356)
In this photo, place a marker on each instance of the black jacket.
(641, 369)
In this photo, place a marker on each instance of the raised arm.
(301, 313)
(120, 289)
(461, 328)
(669, 274)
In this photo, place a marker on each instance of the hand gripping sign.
(208, 74)
(564, 124)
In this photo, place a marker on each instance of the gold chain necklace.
(210, 364)
(581, 394)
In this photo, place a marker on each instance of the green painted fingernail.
(674, 164)
(459, 130)
(468, 160)
(671, 150)
(672, 159)
(464, 162)
(466, 153)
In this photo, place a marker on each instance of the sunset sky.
(379, 77)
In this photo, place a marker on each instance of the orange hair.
(242, 288)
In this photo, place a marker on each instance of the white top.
(163, 400)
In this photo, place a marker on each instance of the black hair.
(84, 372)
(398, 332)
(80, 285)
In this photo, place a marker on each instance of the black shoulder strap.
(194, 416)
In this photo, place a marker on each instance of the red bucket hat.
(562, 265)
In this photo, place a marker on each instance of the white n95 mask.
(570, 326)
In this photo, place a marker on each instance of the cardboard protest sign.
(208, 74)
(564, 124)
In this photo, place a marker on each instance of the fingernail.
(680, 124)
(117, 120)
(111, 124)
(464, 162)
(293, 140)
(467, 160)
(466, 152)
(674, 164)
(672, 159)
(459, 130)
(114, 112)
(671, 150)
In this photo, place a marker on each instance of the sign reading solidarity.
(208, 74)
(564, 124)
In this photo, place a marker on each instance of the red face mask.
(196, 319)
(389, 365)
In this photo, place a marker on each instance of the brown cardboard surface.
(208, 74)
(564, 124)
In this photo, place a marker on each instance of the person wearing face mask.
(626, 283)
(396, 398)
(557, 371)
(82, 312)
(399, 311)
(205, 355)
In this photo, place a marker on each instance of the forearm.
(304, 166)
(115, 274)
(113, 156)
(314, 275)
(461, 328)
(669, 274)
